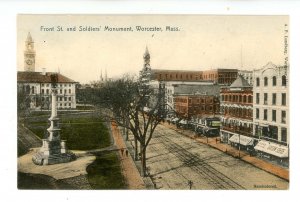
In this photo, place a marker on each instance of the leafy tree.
(126, 100)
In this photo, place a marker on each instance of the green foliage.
(105, 173)
(82, 131)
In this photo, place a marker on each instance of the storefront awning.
(274, 149)
(183, 121)
(241, 139)
(175, 119)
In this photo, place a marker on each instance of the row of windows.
(237, 98)
(60, 85)
(237, 112)
(65, 104)
(58, 99)
(274, 99)
(274, 113)
(60, 91)
(274, 81)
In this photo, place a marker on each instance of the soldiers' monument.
(53, 150)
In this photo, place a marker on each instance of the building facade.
(196, 106)
(219, 76)
(236, 110)
(271, 103)
(34, 88)
(248, 75)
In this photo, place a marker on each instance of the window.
(60, 91)
(61, 99)
(69, 91)
(266, 81)
(274, 99)
(69, 98)
(265, 98)
(265, 114)
(257, 113)
(283, 80)
(47, 91)
(274, 115)
(274, 81)
(65, 99)
(249, 99)
(283, 99)
(65, 91)
(42, 85)
(257, 98)
(69, 104)
(32, 90)
(283, 134)
(69, 85)
(283, 116)
(43, 91)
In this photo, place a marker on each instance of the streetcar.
(209, 127)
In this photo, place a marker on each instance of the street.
(178, 162)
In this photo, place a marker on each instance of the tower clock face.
(29, 62)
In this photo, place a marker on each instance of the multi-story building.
(248, 75)
(271, 103)
(189, 89)
(196, 106)
(219, 76)
(34, 88)
(236, 113)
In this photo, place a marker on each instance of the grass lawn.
(105, 172)
(82, 131)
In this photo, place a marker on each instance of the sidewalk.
(257, 162)
(130, 172)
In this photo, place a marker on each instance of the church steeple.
(147, 59)
(29, 54)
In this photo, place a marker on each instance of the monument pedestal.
(53, 150)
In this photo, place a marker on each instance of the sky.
(201, 42)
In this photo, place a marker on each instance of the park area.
(83, 131)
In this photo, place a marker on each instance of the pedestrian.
(190, 183)
(126, 152)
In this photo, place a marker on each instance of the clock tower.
(29, 54)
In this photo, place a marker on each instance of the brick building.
(196, 106)
(219, 76)
(236, 109)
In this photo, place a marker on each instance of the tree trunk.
(143, 161)
(136, 157)
(126, 134)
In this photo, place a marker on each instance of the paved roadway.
(175, 159)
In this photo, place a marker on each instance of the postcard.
(153, 102)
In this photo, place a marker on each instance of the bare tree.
(127, 101)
